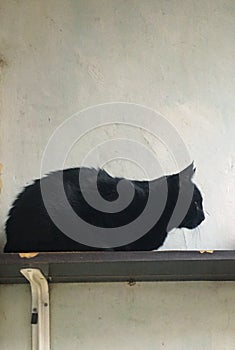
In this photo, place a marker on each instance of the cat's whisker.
(185, 241)
(207, 213)
(197, 236)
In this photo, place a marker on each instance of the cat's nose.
(202, 216)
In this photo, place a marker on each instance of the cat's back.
(73, 181)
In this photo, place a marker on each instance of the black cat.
(29, 227)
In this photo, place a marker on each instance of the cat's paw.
(28, 255)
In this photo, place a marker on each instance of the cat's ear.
(187, 173)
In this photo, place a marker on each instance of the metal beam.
(122, 266)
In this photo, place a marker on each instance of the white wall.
(177, 57)
(173, 56)
(153, 316)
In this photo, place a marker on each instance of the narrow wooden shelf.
(123, 266)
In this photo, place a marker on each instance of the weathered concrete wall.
(177, 57)
(172, 316)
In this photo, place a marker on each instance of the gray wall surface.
(176, 57)
(172, 316)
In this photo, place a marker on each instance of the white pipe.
(40, 308)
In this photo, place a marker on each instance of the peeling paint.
(3, 65)
(3, 62)
(1, 167)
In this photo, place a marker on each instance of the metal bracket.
(40, 320)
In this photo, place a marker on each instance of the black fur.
(29, 227)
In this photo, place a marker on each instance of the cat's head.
(191, 195)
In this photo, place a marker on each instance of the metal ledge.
(123, 266)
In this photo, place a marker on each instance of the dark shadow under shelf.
(123, 266)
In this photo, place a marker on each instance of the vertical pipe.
(40, 320)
